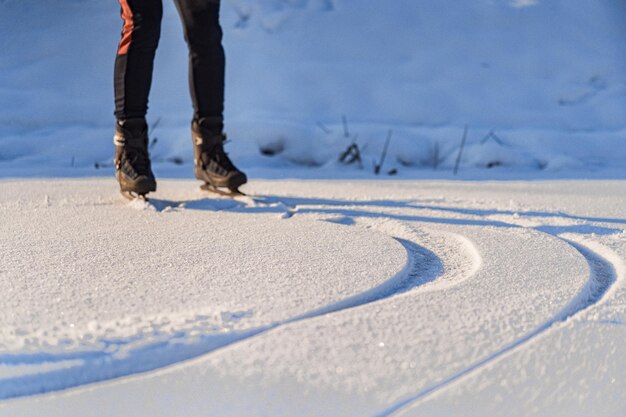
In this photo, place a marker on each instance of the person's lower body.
(133, 77)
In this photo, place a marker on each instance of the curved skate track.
(393, 300)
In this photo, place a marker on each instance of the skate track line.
(606, 268)
(591, 294)
(422, 267)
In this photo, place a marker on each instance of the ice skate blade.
(133, 196)
(222, 191)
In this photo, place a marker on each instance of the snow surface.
(341, 293)
(547, 77)
(314, 298)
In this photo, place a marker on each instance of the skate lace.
(139, 160)
(220, 157)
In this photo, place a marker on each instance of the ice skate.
(212, 164)
(132, 162)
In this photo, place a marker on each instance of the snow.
(437, 296)
(547, 77)
(328, 290)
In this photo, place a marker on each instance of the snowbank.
(546, 76)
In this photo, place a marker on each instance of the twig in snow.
(352, 154)
(243, 16)
(151, 129)
(384, 154)
(346, 132)
(458, 157)
(492, 135)
(436, 156)
(154, 126)
(176, 160)
(324, 128)
(98, 165)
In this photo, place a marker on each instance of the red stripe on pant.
(127, 30)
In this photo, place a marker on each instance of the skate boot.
(132, 162)
(212, 164)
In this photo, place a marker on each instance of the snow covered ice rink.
(329, 290)
(314, 298)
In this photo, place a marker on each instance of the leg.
(133, 76)
(206, 60)
(135, 56)
(206, 81)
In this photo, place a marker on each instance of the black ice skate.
(132, 162)
(212, 164)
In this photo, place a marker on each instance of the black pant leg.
(206, 59)
(135, 56)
